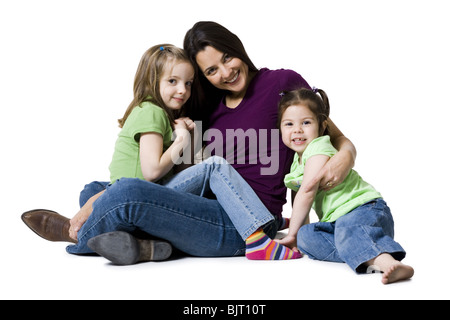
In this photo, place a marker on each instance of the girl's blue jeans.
(355, 238)
(178, 212)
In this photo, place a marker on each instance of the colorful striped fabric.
(260, 247)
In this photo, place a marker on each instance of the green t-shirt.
(147, 117)
(340, 200)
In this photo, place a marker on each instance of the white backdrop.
(66, 75)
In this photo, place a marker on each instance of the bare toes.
(396, 273)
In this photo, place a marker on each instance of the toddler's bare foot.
(397, 272)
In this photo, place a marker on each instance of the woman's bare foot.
(397, 272)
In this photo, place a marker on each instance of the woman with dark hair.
(210, 34)
(238, 106)
(235, 95)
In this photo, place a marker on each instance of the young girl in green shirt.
(144, 148)
(355, 224)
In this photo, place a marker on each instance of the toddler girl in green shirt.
(355, 224)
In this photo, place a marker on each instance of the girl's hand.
(289, 241)
(77, 222)
(190, 125)
(80, 218)
(181, 132)
(180, 124)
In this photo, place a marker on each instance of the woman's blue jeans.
(355, 238)
(178, 212)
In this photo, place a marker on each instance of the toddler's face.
(299, 126)
(176, 83)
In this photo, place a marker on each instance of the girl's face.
(223, 71)
(175, 85)
(299, 126)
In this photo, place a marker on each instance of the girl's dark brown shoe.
(48, 224)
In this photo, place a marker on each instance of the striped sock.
(260, 247)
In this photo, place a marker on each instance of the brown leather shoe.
(48, 224)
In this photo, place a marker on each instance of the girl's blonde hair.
(316, 100)
(148, 77)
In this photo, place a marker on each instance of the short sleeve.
(147, 118)
(294, 178)
(321, 145)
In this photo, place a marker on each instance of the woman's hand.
(338, 167)
(333, 172)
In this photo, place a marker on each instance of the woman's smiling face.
(223, 71)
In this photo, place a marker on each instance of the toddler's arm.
(304, 199)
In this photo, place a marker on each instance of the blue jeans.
(355, 238)
(236, 197)
(178, 213)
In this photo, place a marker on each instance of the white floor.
(33, 268)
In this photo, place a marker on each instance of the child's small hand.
(180, 124)
(190, 125)
(181, 131)
(289, 241)
(77, 222)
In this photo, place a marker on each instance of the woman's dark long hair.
(206, 97)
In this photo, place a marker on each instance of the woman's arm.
(304, 199)
(339, 166)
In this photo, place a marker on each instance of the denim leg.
(90, 190)
(193, 224)
(236, 197)
(317, 241)
(365, 233)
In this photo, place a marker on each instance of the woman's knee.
(216, 160)
(91, 189)
(134, 188)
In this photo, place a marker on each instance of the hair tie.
(161, 48)
(314, 89)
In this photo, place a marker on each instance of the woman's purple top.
(248, 137)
